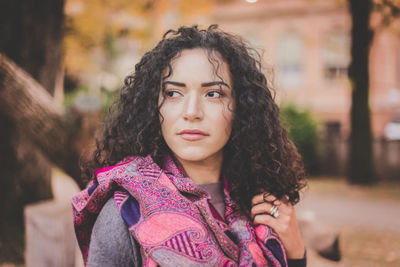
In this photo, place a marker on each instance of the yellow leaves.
(89, 24)
(92, 25)
(195, 6)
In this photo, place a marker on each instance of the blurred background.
(334, 66)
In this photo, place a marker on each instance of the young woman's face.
(197, 111)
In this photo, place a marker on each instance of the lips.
(192, 134)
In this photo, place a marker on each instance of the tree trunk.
(361, 164)
(33, 120)
(25, 178)
(34, 111)
(31, 34)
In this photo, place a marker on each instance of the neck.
(205, 171)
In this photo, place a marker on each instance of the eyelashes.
(213, 93)
(172, 94)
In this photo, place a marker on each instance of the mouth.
(192, 134)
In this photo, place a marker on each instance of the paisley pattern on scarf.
(172, 220)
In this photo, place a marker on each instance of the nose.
(193, 109)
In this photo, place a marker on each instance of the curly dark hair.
(259, 156)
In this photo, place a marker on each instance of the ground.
(366, 218)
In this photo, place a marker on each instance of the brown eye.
(172, 94)
(214, 94)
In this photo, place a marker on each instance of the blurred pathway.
(341, 210)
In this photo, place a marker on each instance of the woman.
(195, 167)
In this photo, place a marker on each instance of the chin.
(191, 157)
(194, 155)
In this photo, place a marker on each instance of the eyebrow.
(207, 84)
(215, 83)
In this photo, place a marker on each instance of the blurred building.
(306, 46)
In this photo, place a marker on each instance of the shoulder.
(109, 216)
(109, 230)
(111, 243)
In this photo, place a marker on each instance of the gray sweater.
(111, 243)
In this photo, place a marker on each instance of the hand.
(285, 224)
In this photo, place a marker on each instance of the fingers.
(261, 208)
(264, 203)
(266, 220)
(264, 197)
(268, 198)
(282, 221)
(280, 224)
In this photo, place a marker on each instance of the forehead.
(199, 65)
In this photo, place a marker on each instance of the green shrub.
(303, 131)
(87, 101)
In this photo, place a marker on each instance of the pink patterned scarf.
(172, 219)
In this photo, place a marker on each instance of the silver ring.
(274, 211)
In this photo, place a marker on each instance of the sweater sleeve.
(111, 243)
(298, 262)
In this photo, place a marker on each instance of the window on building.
(336, 56)
(333, 129)
(253, 37)
(290, 61)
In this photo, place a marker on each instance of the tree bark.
(25, 178)
(361, 164)
(34, 111)
(33, 120)
(31, 35)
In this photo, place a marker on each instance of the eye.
(172, 94)
(214, 94)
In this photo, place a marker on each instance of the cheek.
(168, 120)
(225, 124)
